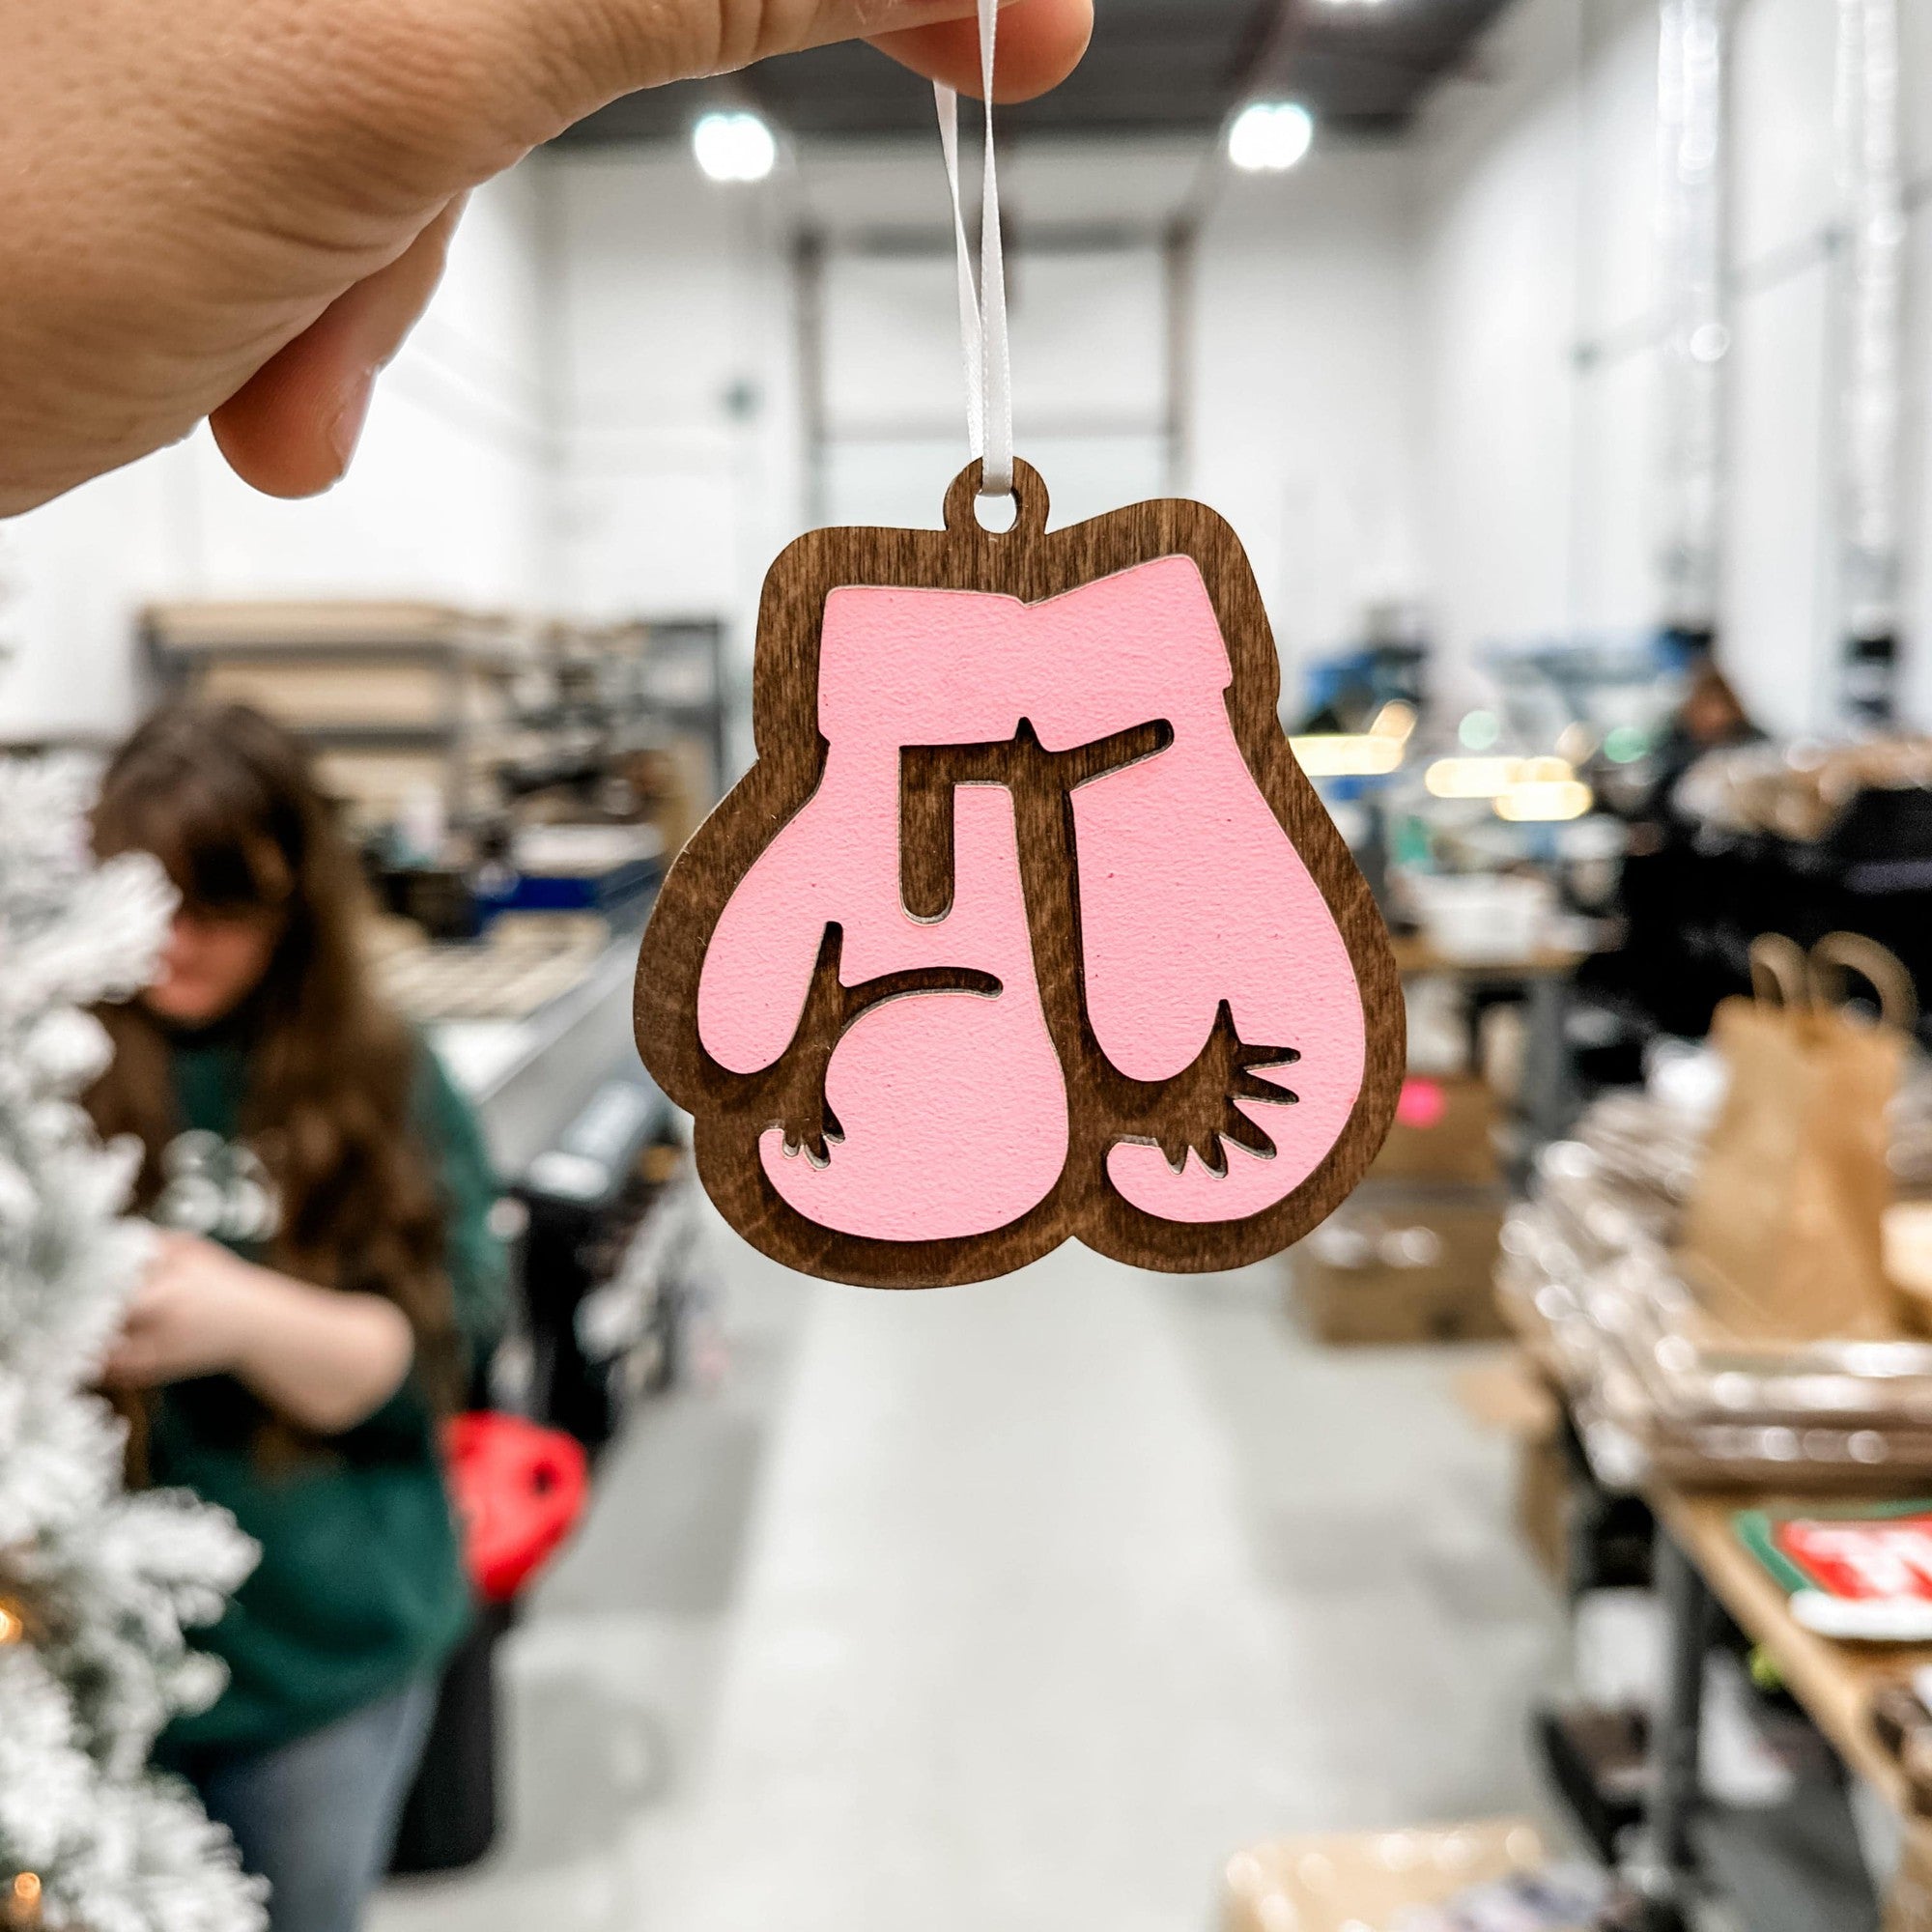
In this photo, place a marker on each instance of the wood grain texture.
(734, 1110)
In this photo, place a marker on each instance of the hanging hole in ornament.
(1019, 513)
(997, 515)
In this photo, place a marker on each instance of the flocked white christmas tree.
(96, 1583)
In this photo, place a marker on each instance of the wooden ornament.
(1025, 927)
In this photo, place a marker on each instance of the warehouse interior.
(1563, 367)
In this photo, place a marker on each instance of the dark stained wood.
(1415, 955)
(1904, 1727)
(1196, 1108)
(734, 1110)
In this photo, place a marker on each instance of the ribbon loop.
(982, 305)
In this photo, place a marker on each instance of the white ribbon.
(982, 307)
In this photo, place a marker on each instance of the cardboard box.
(1444, 1131)
(1908, 1904)
(1510, 1397)
(677, 785)
(1542, 1495)
(1361, 1882)
(1403, 1266)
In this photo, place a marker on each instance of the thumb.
(291, 429)
(1040, 44)
(512, 74)
(584, 53)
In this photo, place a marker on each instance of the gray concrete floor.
(1017, 1606)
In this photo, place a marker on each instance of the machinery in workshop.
(485, 763)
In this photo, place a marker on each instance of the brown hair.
(226, 800)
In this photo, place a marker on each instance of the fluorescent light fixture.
(734, 147)
(1270, 136)
(1545, 803)
(1346, 755)
(1395, 720)
(1492, 778)
(1359, 755)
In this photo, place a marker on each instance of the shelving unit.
(390, 695)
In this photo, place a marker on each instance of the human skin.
(235, 209)
(321, 1359)
(210, 963)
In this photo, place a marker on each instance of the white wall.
(1090, 358)
(1537, 324)
(1090, 312)
(1495, 217)
(677, 392)
(450, 498)
(1302, 400)
(675, 294)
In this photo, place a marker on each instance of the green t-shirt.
(360, 1587)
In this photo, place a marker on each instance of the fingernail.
(345, 431)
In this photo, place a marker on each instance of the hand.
(189, 1317)
(322, 1359)
(239, 207)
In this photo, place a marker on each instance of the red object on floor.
(517, 1491)
(1422, 1104)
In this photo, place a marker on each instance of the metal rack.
(491, 704)
(469, 659)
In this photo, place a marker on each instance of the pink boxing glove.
(1005, 939)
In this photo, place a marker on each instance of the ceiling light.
(1470, 778)
(1492, 777)
(1270, 136)
(1346, 755)
(1395, 720)
(734, 147)
(1359, 755)
(1545, 803)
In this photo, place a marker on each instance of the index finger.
(573, 56)
(1040, 44)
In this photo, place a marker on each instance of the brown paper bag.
(1782, 1236)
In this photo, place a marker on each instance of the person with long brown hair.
(324, 1282)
